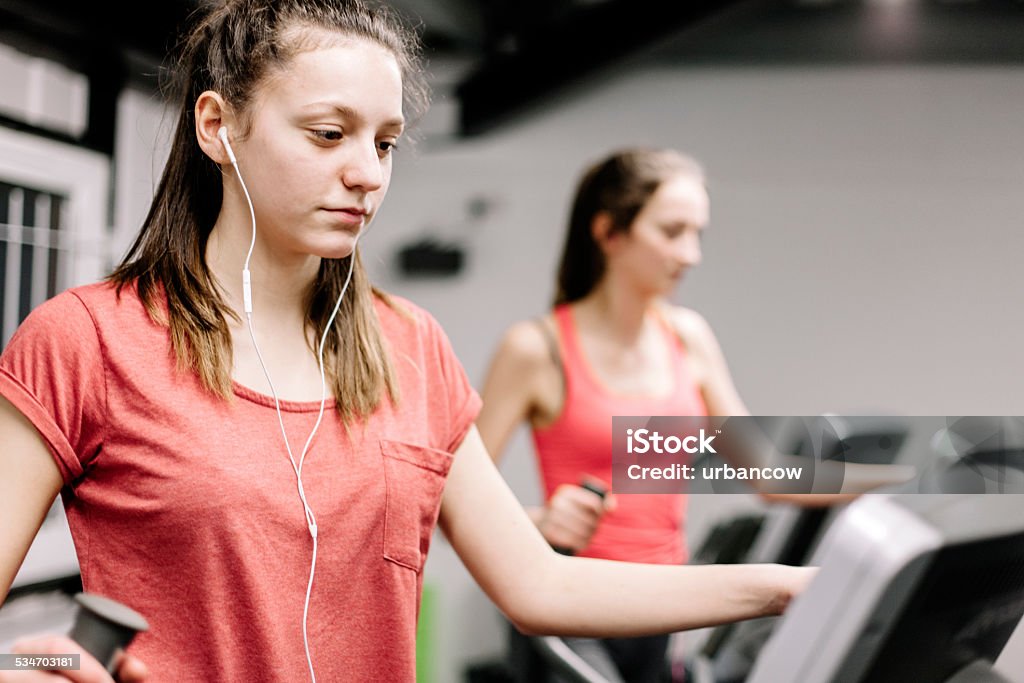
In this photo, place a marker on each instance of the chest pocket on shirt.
(414, 478)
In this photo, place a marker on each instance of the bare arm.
(543, 592)
(522, 381)
(514, 383)
(29, 483)
(722, 399)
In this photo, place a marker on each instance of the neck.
(620, 311)
(279, 285)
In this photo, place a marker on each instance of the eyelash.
(327, 136)
(322, 134)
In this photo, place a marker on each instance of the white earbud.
(222, 133)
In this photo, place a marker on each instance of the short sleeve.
(455, 401)
(52, 371)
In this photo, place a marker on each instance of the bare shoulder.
(526, 345)
(707, 362)
(692, 327)
(525, 371)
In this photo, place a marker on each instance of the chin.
(338, 247)
(667, 291)
(669, 285)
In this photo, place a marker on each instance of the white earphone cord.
(247, 299)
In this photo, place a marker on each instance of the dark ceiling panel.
(528, 50)
(541, 57)
(749, 32)
(825, 32)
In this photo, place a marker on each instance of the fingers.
(803, 578)
(90, 670)
(591, 483)
(30, 677)
(131, 669)
(571, 517)
(790, 582)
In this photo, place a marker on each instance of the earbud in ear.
(222, 133)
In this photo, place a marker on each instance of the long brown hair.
(620, 186)
(230, 50)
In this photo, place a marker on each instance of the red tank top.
(643, 527)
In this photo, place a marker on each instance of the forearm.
(827, 482)
(600, 598)
(860, 478)
(809, 500)
(543, 592)
(813, 481)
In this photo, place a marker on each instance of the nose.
(362, 167)
(688, 252)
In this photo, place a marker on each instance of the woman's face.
(317, 161)
(664, 240)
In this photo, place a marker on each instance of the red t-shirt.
(184, 506)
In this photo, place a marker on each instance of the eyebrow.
(350, 113)
(683, 224)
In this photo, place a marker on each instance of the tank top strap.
(569, 346)
(563, 321)
(676, 345)
(686, 389)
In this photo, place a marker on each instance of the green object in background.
(426, 646)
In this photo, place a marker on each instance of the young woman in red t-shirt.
(179, 407)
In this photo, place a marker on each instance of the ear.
(211, 113)
(601, 229)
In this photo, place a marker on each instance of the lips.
(351, 214)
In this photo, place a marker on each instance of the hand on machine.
(102, 630)
(572, 514)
